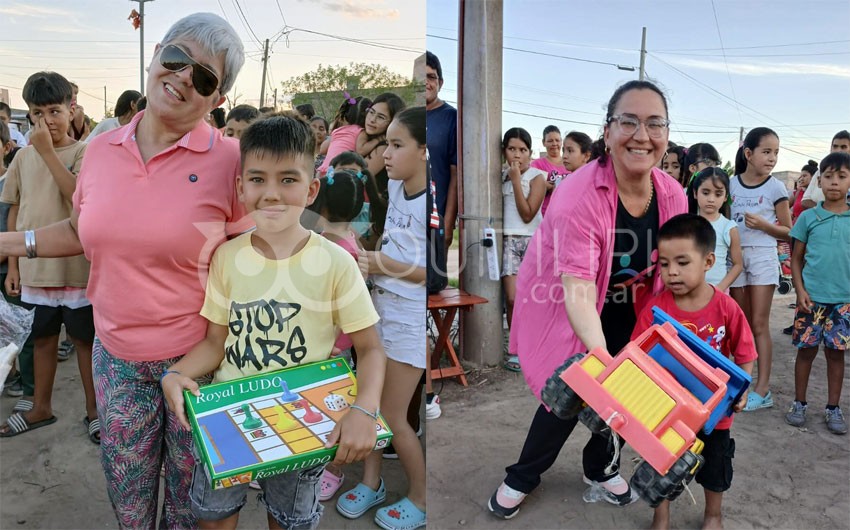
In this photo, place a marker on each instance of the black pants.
(546, 436)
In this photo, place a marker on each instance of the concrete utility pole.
(741, 136)
(265, 67)
(104, 101)
(643, 54)
(142, 44)
(480, 124)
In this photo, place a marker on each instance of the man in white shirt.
(6, 117)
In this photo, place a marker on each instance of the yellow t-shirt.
(31, 186)
(282, 313)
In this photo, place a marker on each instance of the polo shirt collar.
(200, 139)
(823, 213)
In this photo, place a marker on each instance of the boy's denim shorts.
(291, 498)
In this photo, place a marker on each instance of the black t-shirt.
(635, 255)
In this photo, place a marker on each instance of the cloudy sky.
(92, 43)
(724, 64)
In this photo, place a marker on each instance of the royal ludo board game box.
(264, 425)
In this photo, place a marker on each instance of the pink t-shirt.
(554, 174)
(149, 231)
(350, 246)
(576, 238)
(342, 139)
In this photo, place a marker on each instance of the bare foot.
(660, 523)
(712, 522)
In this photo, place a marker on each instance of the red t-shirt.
(721, 324)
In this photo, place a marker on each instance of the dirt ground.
(51, 478)
(785, 477)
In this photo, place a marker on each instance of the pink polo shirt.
(149, 231)
(576, 238)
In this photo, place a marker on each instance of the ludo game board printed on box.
(264, 425)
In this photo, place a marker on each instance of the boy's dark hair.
(841, 135)
(835, 161)
(47, 88)
(247, 113)
(218, 117)
(306, 110)
(585, 144)
(597, 148)
(434, 62)
(6, 109)
(751, 141)
(266, 110)
(341, 195)
(377, 204)
(125, 100)
(690, 226)
(278, 136)
(717, 176)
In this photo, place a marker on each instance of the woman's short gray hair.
(216, 36)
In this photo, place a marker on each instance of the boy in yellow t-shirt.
(276, 298)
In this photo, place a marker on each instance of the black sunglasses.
(174, 59)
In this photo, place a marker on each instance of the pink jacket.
(576, 239)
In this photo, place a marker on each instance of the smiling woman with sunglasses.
(153, 200)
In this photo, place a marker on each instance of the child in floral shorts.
(820, 266)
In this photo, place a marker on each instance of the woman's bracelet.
(366, 412)
(165, 373)
(29, 243)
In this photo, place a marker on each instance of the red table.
(443, 307)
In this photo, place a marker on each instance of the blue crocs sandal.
(755, 401)
(403, 515)
(355, 502)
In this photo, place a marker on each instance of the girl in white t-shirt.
(708, 196)
(523, 189)
(761, 210)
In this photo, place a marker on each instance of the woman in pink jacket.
(589, 269)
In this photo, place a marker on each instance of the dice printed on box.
(335, 402)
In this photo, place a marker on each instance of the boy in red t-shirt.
(685, 254)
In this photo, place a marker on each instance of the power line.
(281, 12)
(244, 20)
(287, 31)
(725, 62)
(755, 55)
(757, 47)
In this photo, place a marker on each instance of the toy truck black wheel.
(560, 398)
(785, 286)
(654, 488)
(594, 422)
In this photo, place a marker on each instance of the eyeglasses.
(432, 77)
(708, 162)
(174, 59)
(629, 124)
(380, 118)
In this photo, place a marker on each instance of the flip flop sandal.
(512, 363)
(93, 427)
(355, 502)
(330, 485)
(403, 515)
(23, 405)
(17, 424)
(65, 351)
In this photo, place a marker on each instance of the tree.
(323, 87)
(355, 76)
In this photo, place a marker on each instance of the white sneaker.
(432, 408)
(614, 490)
